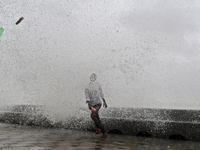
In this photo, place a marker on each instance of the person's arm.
(102, 96)
(87, 98)
(104, 103)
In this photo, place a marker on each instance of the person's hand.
(104, 104)
(89, 106)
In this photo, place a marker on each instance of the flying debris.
(1, 31)
(20, 19)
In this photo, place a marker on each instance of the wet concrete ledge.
(160, 123)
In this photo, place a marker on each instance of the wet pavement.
(17, 137)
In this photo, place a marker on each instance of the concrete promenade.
(159, 123)
(26, 127)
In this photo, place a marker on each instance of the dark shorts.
(96, 119)
(97, 107)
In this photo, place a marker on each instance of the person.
(94, 96)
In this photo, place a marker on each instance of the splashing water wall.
(145, 54)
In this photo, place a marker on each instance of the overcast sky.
(145, 53)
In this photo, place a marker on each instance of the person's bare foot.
(104, 135)
(98, 131)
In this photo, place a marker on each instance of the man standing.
(94, 96)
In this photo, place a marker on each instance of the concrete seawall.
(160, 123)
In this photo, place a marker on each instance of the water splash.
(142, 56)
